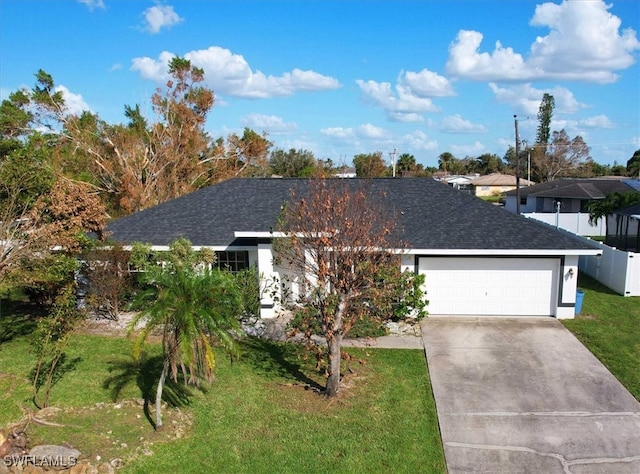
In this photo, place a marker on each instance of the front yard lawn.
(609, 326)
(261, 414)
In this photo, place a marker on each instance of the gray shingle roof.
(592, 188)
(432, 215)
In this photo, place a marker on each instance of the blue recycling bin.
(579, 299)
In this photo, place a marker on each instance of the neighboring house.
(456, 181)
(478, 259)
(495, 184)
(564, 202)
(346, 172)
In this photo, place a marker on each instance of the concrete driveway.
(524, 395)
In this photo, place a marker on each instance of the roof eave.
(505, 252)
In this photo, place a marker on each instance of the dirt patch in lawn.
(112, 433)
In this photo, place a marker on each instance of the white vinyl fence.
(578, 223)
(615, 269)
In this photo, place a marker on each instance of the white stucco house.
(478, 259)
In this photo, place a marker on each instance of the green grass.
(608, 327)
(384, 421)
(492, 198)
(261, 414)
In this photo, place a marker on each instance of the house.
(564, 202)
(494, 184)
(346, 172)
(456, 181)
(478, 259)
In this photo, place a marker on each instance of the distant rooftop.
(578, 188)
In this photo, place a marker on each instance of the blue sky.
(346, 77)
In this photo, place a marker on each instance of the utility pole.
(515, 119)
(393, 162)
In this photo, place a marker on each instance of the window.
(233, 261)
(584, 205)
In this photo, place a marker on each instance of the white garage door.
(491, 286)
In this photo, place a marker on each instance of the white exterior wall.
(280, 286)
(275, 279)
(510, 204)
(268, 277)
(253, 257)
(407, 263)
(567, 298)
(289, 286)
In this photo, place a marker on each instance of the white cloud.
(525, 99)
(368, 130)
(230, 74)
(339, 133)
(92, 4)
(152, 69)
(115, 67)
(473, 149)
(584, 38)
(457, 124)
(597, 121)
(426, 83)
(584, 43)
(466, 62)
(74, 103)
(368, 137)
(160, 16)
(419, 141)
(400, 105)
(269, 123)
(298, 144)
(405, 117)
(363, 136)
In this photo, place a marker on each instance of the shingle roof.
(592, 188)
(431, 214)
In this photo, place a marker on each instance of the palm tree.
(194, 309)
(612, 202)
(600, 209)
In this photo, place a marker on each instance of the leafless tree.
(338, 238)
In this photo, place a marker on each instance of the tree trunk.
(333, 381)
(334, 343)
(163, 376)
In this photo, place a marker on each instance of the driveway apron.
(524, 395)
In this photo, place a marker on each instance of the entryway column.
(268, 278)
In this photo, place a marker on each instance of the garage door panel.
(490, 286)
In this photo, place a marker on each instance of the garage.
(483, 286)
